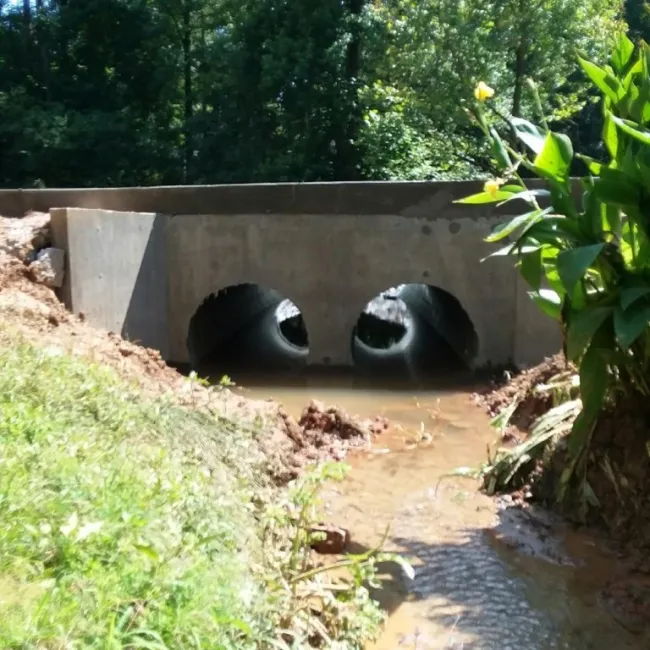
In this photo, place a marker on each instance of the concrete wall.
(328, 247)
(116, 271)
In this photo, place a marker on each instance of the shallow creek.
(486, 578)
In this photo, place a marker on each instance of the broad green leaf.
(594, 378)
(622, 53)
(611, 215)
(530, 196)
(503, 230)
(630, 295)
(574, 263)
(554, 160)
(562, 200)
(582, 327)
(631, 323)
(529, 134)
(616, 188)
(485, 197)
(642, 160)
(610, 135)
(592, 218)
(631, 128)
(548, 301)
(501, 252)
(530, 267)
(604, 80)
(514, 189)
(593, 165)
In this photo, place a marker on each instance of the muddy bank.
(618, 474)
(523, 388)
(29, 306)
(619, 465)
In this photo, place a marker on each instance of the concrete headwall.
(116, 271)
(142, 260)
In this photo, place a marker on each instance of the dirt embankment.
(618, 469)
(521, 388)
(29, 271)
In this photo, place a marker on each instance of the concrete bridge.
(141, 261)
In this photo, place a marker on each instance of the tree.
(438, 49)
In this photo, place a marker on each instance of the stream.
(487, 577)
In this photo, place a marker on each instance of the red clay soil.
(34, 312)
(497, 397)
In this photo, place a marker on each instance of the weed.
(132, 523)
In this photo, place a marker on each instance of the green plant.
(587, 262)
(328, 601)
(131, 523)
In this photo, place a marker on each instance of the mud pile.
(31, 308)
(521, 388)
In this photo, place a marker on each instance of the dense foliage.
(118, 92)
(587, 262)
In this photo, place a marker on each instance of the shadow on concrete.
(147, 316)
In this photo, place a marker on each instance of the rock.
(335, 542)
(48, 269)
(21, 238)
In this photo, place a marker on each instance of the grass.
(118, 528)
(131, 523)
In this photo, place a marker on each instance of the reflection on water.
(474, 588)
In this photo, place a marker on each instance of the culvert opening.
(246, 327)
(414, 329)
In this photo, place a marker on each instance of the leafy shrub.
(587, 261)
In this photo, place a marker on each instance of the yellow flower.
(483, 91)
(492, 187)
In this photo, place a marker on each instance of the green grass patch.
(126, 522)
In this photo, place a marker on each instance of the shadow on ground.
(482, 593)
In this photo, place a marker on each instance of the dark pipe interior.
(378, 333)
(436, 335)
(420, 331)
(237, 329)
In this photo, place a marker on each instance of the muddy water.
(486, 578)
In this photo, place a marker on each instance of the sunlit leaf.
(529, 134)
(622, 53)
(631, 128)
(554, 160)
(548, 301)
(605, 81)
(504, 229)
(485, 197)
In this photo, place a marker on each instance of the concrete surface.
(330, 248)
(116, 271)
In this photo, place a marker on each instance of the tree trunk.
(187, 88)
(520, 62)
(346, 164)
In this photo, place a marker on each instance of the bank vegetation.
(585, 253)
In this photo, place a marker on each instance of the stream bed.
(487, 577)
